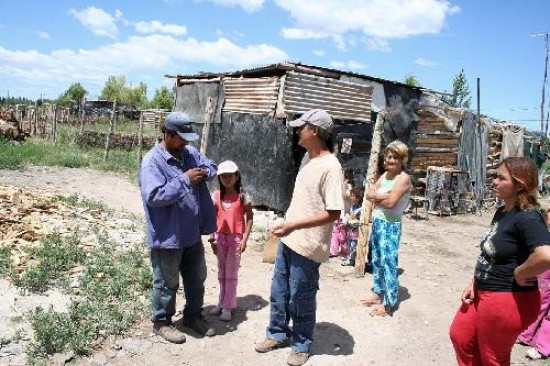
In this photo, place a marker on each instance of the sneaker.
(269, 345)
(225, 315)
(533, 354)
(200, 326)
(216, 310)
(169, 333)
(297, 358)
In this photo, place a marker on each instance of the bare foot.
(380, 310)
(372, 299)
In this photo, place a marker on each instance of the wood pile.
(436, 145)
(117, 140)
(495, 148)
(9, 127)
(27, 215)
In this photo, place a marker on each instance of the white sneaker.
(226, 315)
(533, 354)
(216, 310)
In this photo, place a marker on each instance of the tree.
(115, 89)
(460, 96)
(74, 94)
(137, 97)
(412, 80)
(163, 98)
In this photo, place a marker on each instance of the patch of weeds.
(55, 256)
(80, 202)
(58, 332)
(6, 264)
(109, 300)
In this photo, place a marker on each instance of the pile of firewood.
(9, 127)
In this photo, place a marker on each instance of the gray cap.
(315, 117)
(180, 123)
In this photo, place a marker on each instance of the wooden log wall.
(435, 144)
(495, 148)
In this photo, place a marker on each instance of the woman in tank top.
(390, 196)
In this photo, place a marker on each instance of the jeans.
(293, 297)
(167, 265)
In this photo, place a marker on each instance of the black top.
(511, 239)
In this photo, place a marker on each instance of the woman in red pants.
(503, 298)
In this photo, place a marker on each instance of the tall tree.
(412, 80)
(115, 89)
(460, 96)
(137, 96)
(74, 95)
(163, 98)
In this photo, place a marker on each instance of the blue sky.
(47, 45)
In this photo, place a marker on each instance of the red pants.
(484, 332)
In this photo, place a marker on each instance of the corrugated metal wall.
(252, 95)
(342, 100)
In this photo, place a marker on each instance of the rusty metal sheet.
(343, 100)
(252, 95)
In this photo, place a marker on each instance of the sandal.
(380, 311)
(373, 299)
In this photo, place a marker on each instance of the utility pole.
(543, 125)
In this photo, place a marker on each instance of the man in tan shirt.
(304, 240)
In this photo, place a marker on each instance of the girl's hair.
(357, 192)
(400, 150)
(238, 187)
(525, 175)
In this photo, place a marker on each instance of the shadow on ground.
(331, 339)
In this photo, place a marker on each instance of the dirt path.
(436, 256)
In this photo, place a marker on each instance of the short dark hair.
(169, 132)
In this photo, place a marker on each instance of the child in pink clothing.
(234, 222)
(538, 333)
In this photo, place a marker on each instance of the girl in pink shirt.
(234, 223)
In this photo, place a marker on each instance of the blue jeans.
(293, 297)
(167, 265)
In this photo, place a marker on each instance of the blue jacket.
(177, 212)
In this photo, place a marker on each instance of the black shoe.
(200, 326)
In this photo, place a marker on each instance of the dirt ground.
(436, 259)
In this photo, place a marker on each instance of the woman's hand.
(521, 279)
(468, 294)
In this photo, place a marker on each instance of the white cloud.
(249, 6)
(424, 62)
(233, 35)
(350, 65)
(154, 55)
(319, 53)
(377, 44)
(157, 27)
(97, 20)
(376, 19)
(43, 35)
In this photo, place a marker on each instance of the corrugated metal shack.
(247, 112)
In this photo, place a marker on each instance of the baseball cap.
(227, 166)
(180, 123)
(315, 117)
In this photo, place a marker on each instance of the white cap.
(227, 166)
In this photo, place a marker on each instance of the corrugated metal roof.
(342, 100)
(253, 95)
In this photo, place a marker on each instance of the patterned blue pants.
(384, 242)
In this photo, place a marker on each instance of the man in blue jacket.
(178, 209)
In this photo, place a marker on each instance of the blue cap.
(180, 123)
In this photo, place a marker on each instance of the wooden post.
(140, 140)
(35, 119)
(111, 129)
(54, 128)
(372, 173)
(206, 127)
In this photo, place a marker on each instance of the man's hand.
(196, 175)
(283, 229)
